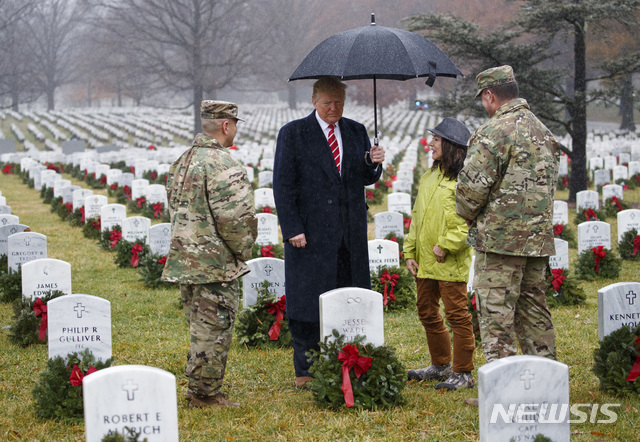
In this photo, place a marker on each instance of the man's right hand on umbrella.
(377, 154)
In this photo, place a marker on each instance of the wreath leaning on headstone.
(589, 215)
(563, 231)
(563, 289)
(58, 392)
(397, 286)
(598, 263)
(356, 375)
(128, 254)
(150, 270)
(614, 205)
(629, 245)
(10, 285)
(91, 228)
(30, 315)
(110, 238)
(264, 323)
(617, 361)
(267, 251)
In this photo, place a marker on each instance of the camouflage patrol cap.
(214, 110)
(494, 77)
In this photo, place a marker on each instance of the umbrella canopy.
(376, 52)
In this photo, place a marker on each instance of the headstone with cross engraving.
(587, 199)
(111, 215)
(383, 252)
(352, 311)
(388, 222)
(264, 198)
(138, 188)
(135, 227)
(627, 220)
(593, 234)
(6, 231)
(263, 269)
(560, 212)
(43, 276)
(156, 193)
(403, 186)
(611, 190)
(79, 197)
(634, 168)
(160, 239)
(267, 229)
(23, 247)
(610, 162)
(620, 173)
(93, 205)
(77, 322)
(265, 178)
(399, 202)
(618, 306)
(601, 177)
(126, 179)
(130, 396)
(7, 219)
(67, 193)
(520, 397)
(112, 176)
(561, 259)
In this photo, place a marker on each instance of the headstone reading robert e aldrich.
(263, 269)
(618, 306)
(24, 247)
(520, 397)
(78, 322)
(130, 396)
(352, 311)
(43, 276)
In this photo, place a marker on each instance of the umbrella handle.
(375, 113)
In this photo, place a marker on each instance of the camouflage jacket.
(213, 221)
(508, 183)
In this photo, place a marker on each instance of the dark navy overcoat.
(313, 198)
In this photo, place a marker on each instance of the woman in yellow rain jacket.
(437, 255)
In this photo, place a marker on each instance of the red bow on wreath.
(385, 278)
(135, 258)
(267, 251)
(162, 261)
(565, 181)
(103, 180)
(557, 229)
(636, 245)
(41, 309)
(558, 278)
(473, 302)
(407, 222)
(361, 364)
(278, 309)
(590, 213)
(69, 207)
(267, 209)
(635, 369)
(157, 209)
(77, 376)
(140, 201)
(127, 191)
(114, 237)
(615, 201)
(599, 253)
(7, 170)
(82, 214)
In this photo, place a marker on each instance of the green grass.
(149, 329)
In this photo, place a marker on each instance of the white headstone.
(67, 194)
(265, 178)
(618, 306)
(627, 220)
(138, 188)
(263, 269)
(79, 197)
(7, 219)
(264, 197)
(6, 231)
(113, 175)
(78, 322)
(126, 179)
(520, 397)
(611, 190)
(596, 163)
(93, 205)
(352, 311)
(135, 227)
(399, 202)
(610, 162)
(561, 259)
(134, 396)
(388, 222)
(620, 173)
(593, 234)
(156, 193)
(601, 177)
(160, 239)
(383, 252)
(250, 174)
(402, 186)
(563, 166)
(24, 247)
(587, 199)
(267, 229)
(112, 215)
(634, 168)
(471, 274)
(102, 169)
(560, 212)
(42, 276)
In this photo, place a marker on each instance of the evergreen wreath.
(629, 245)
(91, 228)
(76, 217)
(618, 353)
(54, 394)
(95, 182)
(393, 236)
(11, 285)
(267, 209)
(563, 231)
(564, 289)
(603, 259)
(130, 435)
(563, 183)
(128, 254)
(589, 214)
(374, 196)
(255, 322)
(110, 237)
(379, 387)
(268, 251)
(150, 270)
(46, 193)
(401, 289)
(4, 264)
(135, 206)
(614, 205)
(155, 211)
(25, 330)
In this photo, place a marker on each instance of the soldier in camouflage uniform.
(213, 228)
(505, 192)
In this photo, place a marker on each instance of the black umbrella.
(376, 52)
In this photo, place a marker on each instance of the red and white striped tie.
(333, 144)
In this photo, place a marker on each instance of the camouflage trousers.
(511, 302)
(210, 310)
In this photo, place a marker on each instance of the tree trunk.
(626, 104)
(578, 179)
(292, 94)
(197, 99)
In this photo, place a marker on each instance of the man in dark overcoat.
(322, 164)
